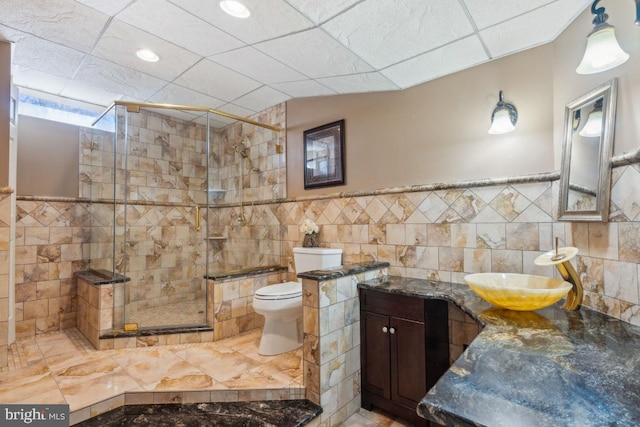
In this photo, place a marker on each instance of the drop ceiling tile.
(217, 81)
(170, 22)
(454, 57)
(187, 116)
(235, 110)
(90, 93)
(42, 55)
(356, 83)
(110, 7)
(320, 11)
(255, 64)
(269, 18)
(315, 54)
(303, 88)
(489, 12)
(385, 32)
(62, 21)
(531, 29)
(118, 79)
(215, 122)
(261, 99)
(120, 42)
(175, 94)
(38, 80)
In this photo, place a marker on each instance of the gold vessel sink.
(522, 292)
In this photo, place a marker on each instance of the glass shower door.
(163, 158)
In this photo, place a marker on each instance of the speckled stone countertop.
(343, 270)
(549, 367)
(281, 413)
(101, 277)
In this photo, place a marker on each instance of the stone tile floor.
(190, 312)
(63, 367)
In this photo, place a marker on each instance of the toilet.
(281, 304)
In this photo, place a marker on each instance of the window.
(63, 110)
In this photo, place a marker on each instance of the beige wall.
(437, 131)
(568, 49)
(47, 158)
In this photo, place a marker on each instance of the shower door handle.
(197, 218)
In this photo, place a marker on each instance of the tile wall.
(5, 240)
(49, 249)
(250, 232)
(440, 234)
(331, 355)
(445, 234)
(230, 304)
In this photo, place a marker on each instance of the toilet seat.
(280, 291)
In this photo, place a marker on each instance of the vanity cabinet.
(404, 350)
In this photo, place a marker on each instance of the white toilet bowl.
(281, 306)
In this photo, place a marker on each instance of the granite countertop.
(343, 270)
(549, 367)
(282, 413)
(101, 277)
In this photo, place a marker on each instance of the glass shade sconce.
(603, 51)
(593, 126)
(503, 118)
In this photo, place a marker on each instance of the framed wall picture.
(324, 155)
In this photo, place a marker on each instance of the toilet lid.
(280, 291)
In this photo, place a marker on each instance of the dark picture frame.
(324, 155)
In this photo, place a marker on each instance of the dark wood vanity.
(404, 350)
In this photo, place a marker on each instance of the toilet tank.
(309, 259)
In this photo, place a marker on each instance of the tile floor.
(181, 313)
(63, 367)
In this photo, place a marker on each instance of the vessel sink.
(522, 292)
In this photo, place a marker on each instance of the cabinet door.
(408, 366)
(375, 354)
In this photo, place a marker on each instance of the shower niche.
(177, 196)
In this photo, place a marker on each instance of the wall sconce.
(593, 127)
(503, 118)
(603, 51)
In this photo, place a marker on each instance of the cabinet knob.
(392, 330)
(385, 329)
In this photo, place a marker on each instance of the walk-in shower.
(167, 187)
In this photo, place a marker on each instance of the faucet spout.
(561, 259)
(575, 295)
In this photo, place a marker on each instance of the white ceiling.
(85, 49)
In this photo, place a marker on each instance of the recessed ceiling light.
(235, 8)
(147, 55)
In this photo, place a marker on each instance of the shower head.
(240, 149)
